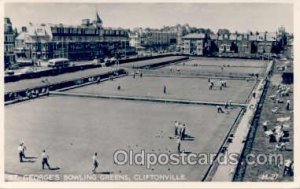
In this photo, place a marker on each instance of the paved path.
(226, 172)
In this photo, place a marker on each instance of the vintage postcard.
(163, 94)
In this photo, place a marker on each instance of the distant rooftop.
(194, 36)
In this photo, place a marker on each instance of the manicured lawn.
(177, 88)
(71, 129)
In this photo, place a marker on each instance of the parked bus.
(59, 63)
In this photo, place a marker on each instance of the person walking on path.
(179, 145)
(165, 89)
(45, 159)
(21, 150)
(219, 109)
(287, 170)
(226, 105)
(182, 133)
(254, 94)
(230, 103)
(95, 162)
(179, 129)
(176, 128)
(211, 85)
(288, 104)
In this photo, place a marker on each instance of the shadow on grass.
(104, 172)
(28, 161)
(188, 137)
(54, 168)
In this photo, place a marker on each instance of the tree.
(214, 47)
(223, 31)
(253, 48)
(234, 47)
(208, 31)
(16, 32)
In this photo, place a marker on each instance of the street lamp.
(125, 48)
(117, 60)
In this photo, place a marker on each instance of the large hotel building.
(9, 43)
(151, 38)
(86, 41)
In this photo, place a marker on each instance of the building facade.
(265, 42)
(82, 42)
(244, 47)
(152, 39)
(116, 41)
(289, 50)
(224, 44)
(9, 43)
(249, 45)
(193, 44)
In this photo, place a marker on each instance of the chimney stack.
(24, 29)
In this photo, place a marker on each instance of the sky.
(240, 17)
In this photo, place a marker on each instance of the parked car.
(28, 70)
(110, 61)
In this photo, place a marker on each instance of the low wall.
(154, 63)
(142, 58)
(233, 55)
(50, 72)
(150, 99)
(42, 90)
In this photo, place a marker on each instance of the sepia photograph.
(155, 92)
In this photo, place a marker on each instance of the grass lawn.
(177, 88)
(71, 129)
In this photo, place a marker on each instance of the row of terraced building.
(248, 45)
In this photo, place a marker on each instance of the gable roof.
(98, 19)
